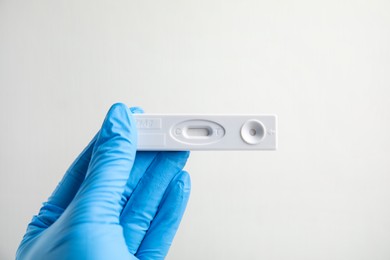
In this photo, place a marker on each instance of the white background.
(322, 66)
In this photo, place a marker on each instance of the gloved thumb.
(99, 197)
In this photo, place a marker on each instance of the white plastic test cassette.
(206, 132)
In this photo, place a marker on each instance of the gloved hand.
(113, 202)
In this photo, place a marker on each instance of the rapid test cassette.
(158, 132)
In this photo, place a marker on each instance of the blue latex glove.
(112, 203)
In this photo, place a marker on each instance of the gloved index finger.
(141, 164)
(144, 202)
(99, 197)
(162, 230)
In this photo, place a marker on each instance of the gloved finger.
(136, 110)
(63, 194)
(74, 176)
(159, 237)
(141, 164)
(99, 197)
(145, 200)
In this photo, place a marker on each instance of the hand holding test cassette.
(125, 195)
